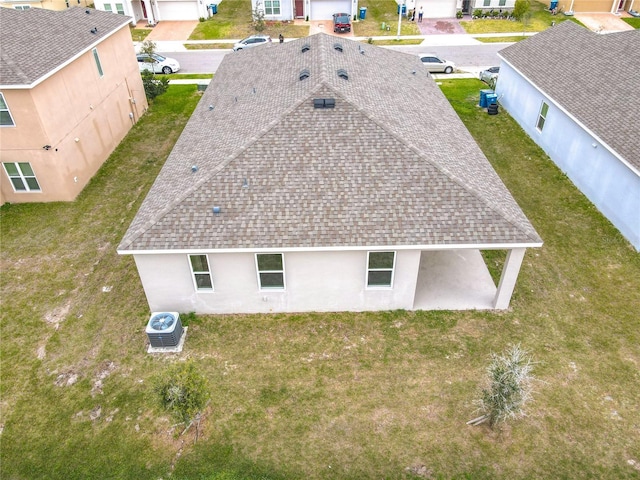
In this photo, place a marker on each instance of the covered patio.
(458, 279)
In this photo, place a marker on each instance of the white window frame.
(282, 272)
(271, 10)
(96, 58)
(107, 7)
(542, 118)
(6, 109)
(22, 7)
(121, 9)
(207, 272)
(22, 176)
(386, 269)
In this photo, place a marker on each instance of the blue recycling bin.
(214, 8)
(363, 13)
(553, 5)
(483, 97)
(404, 9)
(491, 99)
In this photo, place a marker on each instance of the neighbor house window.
(120, 8)
(6, 120)
(22, 7)
(201, 272)
(380, 267)
(107, 8)
(270, 270)
(22, 177)
(272, 7)
(487, 3)
(502, 3)
(96, 57)
(542, 117)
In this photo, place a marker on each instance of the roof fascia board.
(470, 246)
(68, 62)
(578, 122)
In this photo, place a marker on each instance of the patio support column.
(151, 19)
(510, 272)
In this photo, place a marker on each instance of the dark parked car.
(341, 22)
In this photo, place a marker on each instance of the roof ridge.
(216, 169)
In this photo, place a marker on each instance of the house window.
(487, 3)
(542, 117)
(120, 8)
(201, 272)
(107, 8)
(502, 3)
(22, 7)
(380, 266)
(97, 59)
(6, 120)
(272, 7)
(22, 177)
(270, 270)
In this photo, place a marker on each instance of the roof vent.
(216, 210)
(306, 47)
(304, 74)
(94, 30)
(87, 12)
(337, 46)
(211, 107)
(194, 168)
(324, 102)
(342, 73)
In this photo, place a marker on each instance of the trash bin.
(214, 8)
(553, 5)
(384, 27)
(491, 99)
(483, 97)
(363, 12)
(404, 9)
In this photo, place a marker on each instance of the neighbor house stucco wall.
(315, 281)
(612, 186)
(73, 103)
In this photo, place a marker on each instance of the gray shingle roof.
(36, 41)
(596, 78)
(391, 164)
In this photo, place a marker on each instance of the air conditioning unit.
(164, 329)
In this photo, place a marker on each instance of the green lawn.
(336, 395)
(634, 22)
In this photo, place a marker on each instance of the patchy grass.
(379, 11)
(208, 46)
(139, 34)
(335, 395)
(540, 19)
(393, 41)
(509, 39)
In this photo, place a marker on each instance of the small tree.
(183, 391)
(510, 379)
(258, 17)
(153, 86)
(520, 9)
(148, 48)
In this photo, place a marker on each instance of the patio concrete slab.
(454, 280)
(172, 30)
(603, 22)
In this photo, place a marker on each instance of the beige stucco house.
(306, 180)
(46, 4)
(70, 90)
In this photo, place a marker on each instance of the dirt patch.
(66, 379)
(103, 372)
(420, 471)
(58, 315)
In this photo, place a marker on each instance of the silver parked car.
(157, 63)
(436, 64)
(490, 76)
(252, 41)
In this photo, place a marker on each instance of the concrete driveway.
(604, 22)
(172, 30)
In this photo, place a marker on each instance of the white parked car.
(157, 63)
(436, 64)
(252, 41)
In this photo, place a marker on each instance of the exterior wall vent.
(324, 102)
(304, 74)
(337, 46)
(306, 47)
(342, 73)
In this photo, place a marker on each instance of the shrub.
(459, 14)
(520, 9)
(477, 13)
(153, 86)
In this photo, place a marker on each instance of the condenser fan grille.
(162, 321)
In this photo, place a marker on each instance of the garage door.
(178, 10)
(324, 9)
(439, 8)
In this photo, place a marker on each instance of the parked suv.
(252, 41)
(341, 22)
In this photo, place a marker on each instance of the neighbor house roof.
(36, 42)
(390, 165)
(594, 77)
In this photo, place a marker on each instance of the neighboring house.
(153, 11)
(469, 6)
(70, 90)
(577, 94)
(46, 4)
(325, 175)
(314, 9)
(595, 6)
